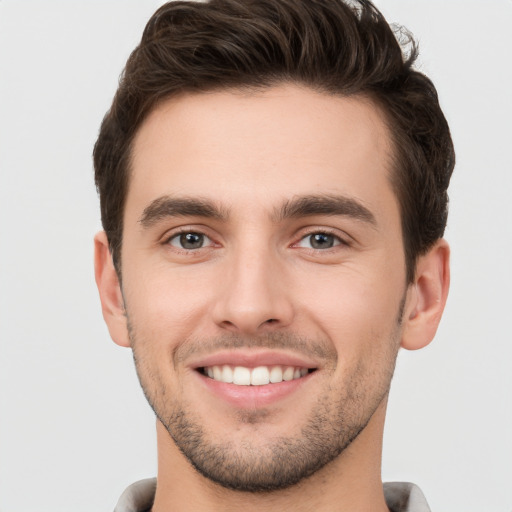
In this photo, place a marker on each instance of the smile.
(258, 376)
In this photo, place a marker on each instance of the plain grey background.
(74, 426)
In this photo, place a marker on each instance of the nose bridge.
(254, 291)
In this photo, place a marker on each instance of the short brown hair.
(331, 46)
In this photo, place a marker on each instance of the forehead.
(256, 148)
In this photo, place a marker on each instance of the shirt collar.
(400, 497)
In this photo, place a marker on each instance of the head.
(338, 48)
(273, 184)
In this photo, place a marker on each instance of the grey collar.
(400, 497)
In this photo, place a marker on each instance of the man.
(273, 179)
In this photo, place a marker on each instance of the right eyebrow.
(325, 204)
(168, 206)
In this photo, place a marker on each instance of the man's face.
(262, 241)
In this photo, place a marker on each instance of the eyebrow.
(168, 206)
(302, 206)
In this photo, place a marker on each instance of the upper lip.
(254, 358)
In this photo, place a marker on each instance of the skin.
(256, 286)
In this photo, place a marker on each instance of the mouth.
(249, 379)
(254, 376)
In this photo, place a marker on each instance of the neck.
(351, 482)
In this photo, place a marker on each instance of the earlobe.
(426, 297)
(109, 288)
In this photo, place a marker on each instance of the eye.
(320, 241)
(189, 241)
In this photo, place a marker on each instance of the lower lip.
(251, 397)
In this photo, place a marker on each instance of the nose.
(254, 295)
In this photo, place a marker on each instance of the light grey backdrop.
(74, 426)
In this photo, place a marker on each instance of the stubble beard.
(332, 425)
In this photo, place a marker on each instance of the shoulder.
(138, 497)
(405, 497)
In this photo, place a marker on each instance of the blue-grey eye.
(189, 241)
(319, 241)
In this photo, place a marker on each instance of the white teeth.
(242, 376)
(259, 376)
(217, 372)
(276, 374)
(288, 373)
(227, 374)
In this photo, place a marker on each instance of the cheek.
(365, 333)
(164, 302)
(357, 312)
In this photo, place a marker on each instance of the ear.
(426, 297)
(111, 297)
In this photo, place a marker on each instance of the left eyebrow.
(168, 206)
(309, 205)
